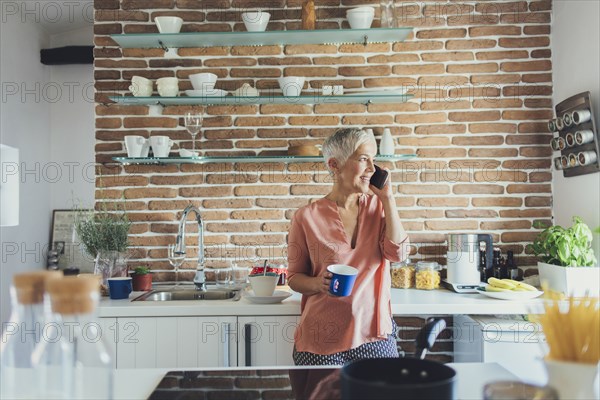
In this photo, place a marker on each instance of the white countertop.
(471, 378)
(404, 302)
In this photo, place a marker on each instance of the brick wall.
(481, 76)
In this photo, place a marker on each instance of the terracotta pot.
(142, 283)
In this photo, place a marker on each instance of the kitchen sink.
(176, 294)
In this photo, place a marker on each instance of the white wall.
(575, 46)
(25, 124)
(54, 133)
(72, 126)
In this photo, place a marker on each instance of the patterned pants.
(379, 349)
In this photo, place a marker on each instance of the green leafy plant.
(141, 270)
(568, 247)
(103, 230)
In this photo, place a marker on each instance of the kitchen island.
(471, 378)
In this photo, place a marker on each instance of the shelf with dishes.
(242, 159)
(390, 96)
(211, 39)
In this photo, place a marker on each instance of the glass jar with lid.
(403, 275)
(72, 360)
(22, 333)
(427, 275)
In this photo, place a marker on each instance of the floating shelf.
(210, 39)
(367, 98)
(244, 159)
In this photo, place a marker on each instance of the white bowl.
(206, 93)
(187, 153)
(256, 21)
(291, 85)
(204, 81)
(263, 285)
(168, 24)
(361, 17)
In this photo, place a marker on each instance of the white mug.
(137, 146)
(161, 145)
(140, 86)
(583, 137)
(168, 90)
(581, 116)
(170, 81)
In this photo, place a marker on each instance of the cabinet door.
(266, 340)
(108, 329)
(176, 342)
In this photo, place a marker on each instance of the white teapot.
(245, 90)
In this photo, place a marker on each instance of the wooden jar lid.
(74, 294)
(30, 286)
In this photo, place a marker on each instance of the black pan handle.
(427, 335)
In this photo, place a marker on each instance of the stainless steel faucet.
(199, 278)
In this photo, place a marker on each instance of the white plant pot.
(574, 281)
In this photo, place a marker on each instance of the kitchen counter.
(404, 302)
(471, 378)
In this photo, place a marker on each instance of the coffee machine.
(463, 274)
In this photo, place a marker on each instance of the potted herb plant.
(141, 279)
(567, 262)
(104, 236)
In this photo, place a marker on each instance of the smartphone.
(379, 178)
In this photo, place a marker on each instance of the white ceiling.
(64, 16)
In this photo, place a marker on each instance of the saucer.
(278, 297)
(206, 93)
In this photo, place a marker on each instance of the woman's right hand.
(323, 281)
(311, 285)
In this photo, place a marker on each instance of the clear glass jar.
(72, 360)
(403, 275)
(21, 334)
(427, 276)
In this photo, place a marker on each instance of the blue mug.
(119, 288)
(342, 280)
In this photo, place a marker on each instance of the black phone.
(379, 178)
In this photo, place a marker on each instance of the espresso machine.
(463, 274)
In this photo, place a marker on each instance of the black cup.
(397, 378)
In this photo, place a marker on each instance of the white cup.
(291, 85)
(137, 146)
(161, 145)
(256, 21)
(581, 116)
(170, 81)
(583, 137)
(140, 86)
(361, 17)
(168, 24)
(168, 90)
(587, 157)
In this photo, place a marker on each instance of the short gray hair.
(343, 143)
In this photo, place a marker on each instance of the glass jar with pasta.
(403, 275)
(427, 276)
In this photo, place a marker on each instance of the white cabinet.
(179, 342)
(510, 341)
(176, 342)
(266, 340)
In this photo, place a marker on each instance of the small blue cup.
(342, 280)
(119, 288)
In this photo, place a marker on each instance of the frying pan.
(401, 378)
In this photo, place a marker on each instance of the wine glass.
(175, 259)
(193, 123)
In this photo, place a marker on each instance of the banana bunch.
(505, 285)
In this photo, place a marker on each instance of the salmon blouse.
(317, 238)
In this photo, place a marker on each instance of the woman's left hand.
(385, 193)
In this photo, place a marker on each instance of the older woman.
(348, 226)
